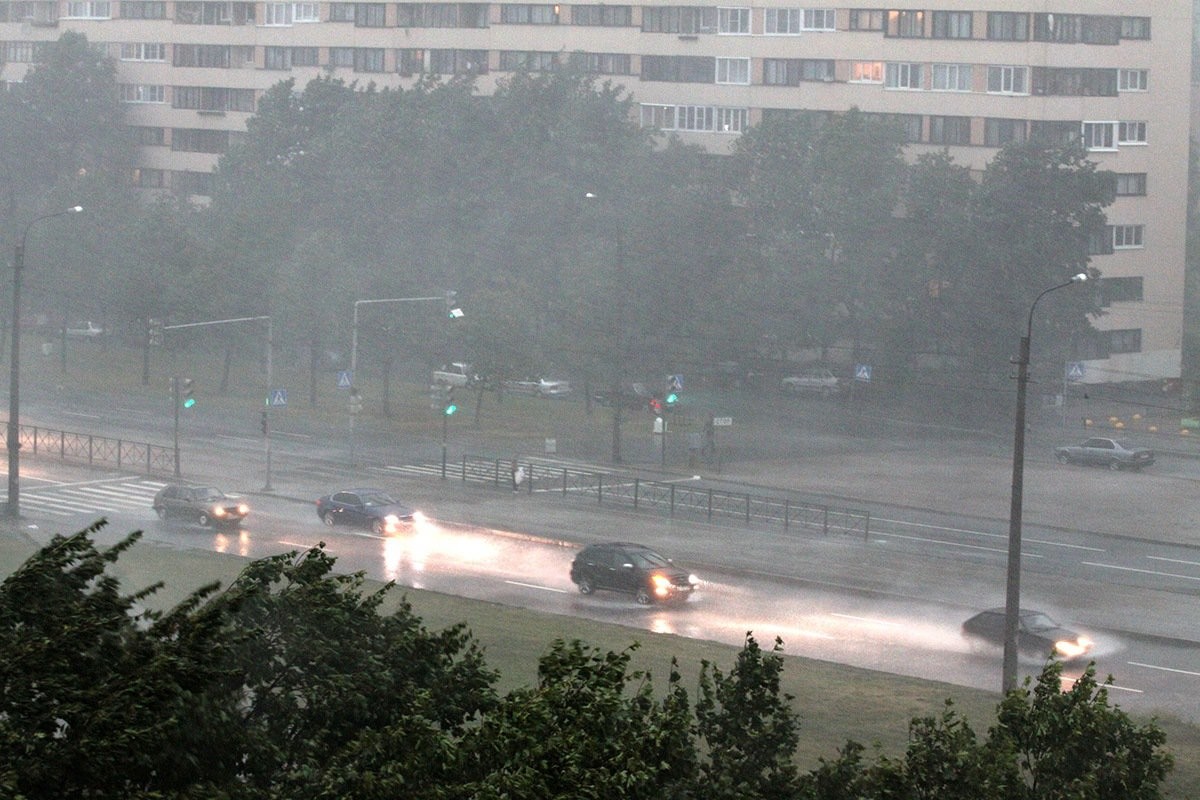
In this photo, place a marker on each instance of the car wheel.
(327, 518)
(1063, 458)
(643, 597)
(161, 511)
(377, 527)
(1114, 465)
(202, 519)
(585, 586)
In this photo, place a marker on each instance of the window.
(1127, 237)
(150, 137)
(341, 56)
(23, 52)
(1007, 26)
(143, 93)
(905, 24)
(1054, 131)
(410, 61)
(1074, 82)
(276, 14)
(950, 130)
(782, 21)
(819, 19)
(192, 183)
(1007, 80)
(999, 132)
(1120, 290)
(866, 72)
(1124, 341)
(341, 12)
(513, 60)
(733, 70)
(1130, 184)
(1135, 27)
(792, 71)
(1133, 80)
(289, 57)
(368, 59)
(1075, 28)
(143, 10)
(657, 116)
(679, 19)
(679, 69)
(909, 125)
(146, 178)
(143, 51)
(951, 24)
(523, 14)
(733, 20)
(866, 19)
(951, 77)
(902, 76)
(458, 62)
(1100, 135)
(732, 120)
(442, 15)
(369, 15)
(1099, 243)
(612, 16)
(195, 12)
(1131, 133)
(603, 63)
(705, 119)
(212, 98)
(201, 55)
(89, 9)
(199, 140)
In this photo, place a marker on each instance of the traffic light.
(186, 390)
(263, 423)
(443, 399)
(452, 311)
(672, 398)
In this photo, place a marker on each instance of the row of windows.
(198, 98)
(936, 24)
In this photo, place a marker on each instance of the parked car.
(542, 387)
(630, 395)
(631, 568)
(1037, 634)
(818, 381)
(458, 373)
(86, 329)
(206, 505)
(1112, 453)
(373, 509)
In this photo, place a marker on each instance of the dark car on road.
(1112, 453)
(373, 509)
(206, 505)
(631, 568)
(1037, 634)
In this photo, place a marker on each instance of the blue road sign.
(675, 383)
(344, 381)
(862, 372)
(278, 398)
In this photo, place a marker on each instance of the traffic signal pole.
(175, 405)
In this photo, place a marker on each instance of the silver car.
(1115, 454)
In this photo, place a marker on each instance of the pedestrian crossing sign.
(278, 398)
(1075, 370)
(344, 381)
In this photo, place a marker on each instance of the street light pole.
(13, 509)
(1012, 600)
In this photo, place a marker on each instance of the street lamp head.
(75, 209)
(1080, 278)
(589, 195)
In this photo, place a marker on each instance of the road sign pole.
(175, 405)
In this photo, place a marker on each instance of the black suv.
(632, 568)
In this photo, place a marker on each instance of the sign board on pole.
(278, 398)
(862, 372)
(1074, 370)
(344, 381)
(722, 422)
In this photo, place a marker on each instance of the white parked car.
(456, 374)
(542, 387)
(87, 329)
(817, 381)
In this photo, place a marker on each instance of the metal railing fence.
(93, 451)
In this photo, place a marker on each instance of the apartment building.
(967, 75)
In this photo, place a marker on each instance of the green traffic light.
(450, 409)
(672, 399)
(191, 401)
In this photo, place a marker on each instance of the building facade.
(965, 75)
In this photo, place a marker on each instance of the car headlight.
(243, 509)
(217, 511)
(1073, 648)
(693, 580)
(662, 585)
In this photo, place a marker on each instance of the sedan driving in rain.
(631, 568)
(1038, 635)
(1115, 454)
(373, 509)
(206, 505)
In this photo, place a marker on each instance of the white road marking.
(1027, 540)
(536, 586)
(1175, 560)
(1163, 669)
(1141, 571)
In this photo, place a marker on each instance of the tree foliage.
(294, 683)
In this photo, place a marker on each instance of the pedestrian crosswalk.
(541, 465)
(105, 496)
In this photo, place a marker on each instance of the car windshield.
(1038, 622)
(648, 559)
(209, 493)
(377, 499)
(1124, 445)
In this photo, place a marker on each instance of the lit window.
(866, 72)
